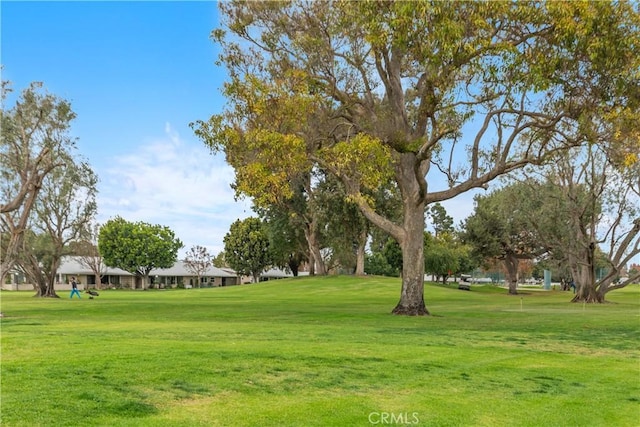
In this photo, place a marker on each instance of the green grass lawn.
(320, 352)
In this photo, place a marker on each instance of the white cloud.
(176, 183)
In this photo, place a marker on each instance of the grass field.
(319, 352)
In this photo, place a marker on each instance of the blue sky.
(136, 73)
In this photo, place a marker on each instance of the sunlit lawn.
(320, 352)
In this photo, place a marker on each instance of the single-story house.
(180, 275)
(177, 275)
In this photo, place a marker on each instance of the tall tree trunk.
(17, 231)
(511, 265)
(585, 279)
(586, 286)
(360, 252)
(412, 294)
(45, 281)
(314, 250)
(408, 174)
(312, 263)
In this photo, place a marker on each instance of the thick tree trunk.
(584, 276)
(46, 290)
(45, 287)
(409, 174)
(511, 265)
(588, 294)
(412, 239)
(587, 289)
(412, 294)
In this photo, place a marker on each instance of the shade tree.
(409, 92)
(500, 228)
(246, 248)
(63, 212)
(34, 140)
(138, 247)
(587, 211)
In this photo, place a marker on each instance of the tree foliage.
(587, 211)
(246, 248)
(413, 91)
(500, 228)
(441, 221)
(385, 260)
(441, 260)
(287, 242)
(34, 140)
(64, 210)
(138, 247)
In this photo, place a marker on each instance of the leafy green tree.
(587, 211)
(441, 221)
(219, 260)
(467, 261)
(499, 228)
(34, 140)
(393, 254)
(288, 245)
(385, 260)
(441, 260)
(246, 248)
(376, 264)
(63, 213)
(138, 247)
(380, 91)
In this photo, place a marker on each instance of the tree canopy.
(246, 248)
(586, 210)
(138, 247)
(415, 93)
(500, 228)
(34, 140)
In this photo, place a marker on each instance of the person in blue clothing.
(74, 288)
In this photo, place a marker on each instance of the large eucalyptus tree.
(419, 93)
(34, 141)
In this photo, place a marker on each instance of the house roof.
(72, 265)
(180, 269)
(276, 273)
